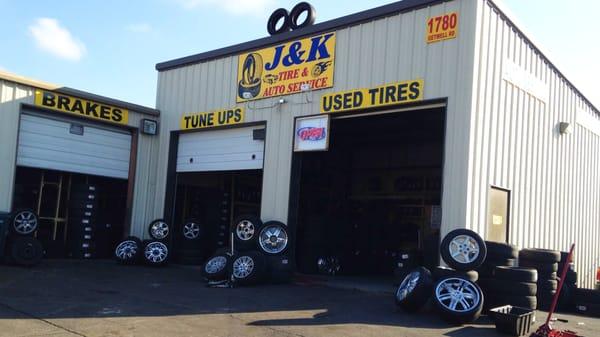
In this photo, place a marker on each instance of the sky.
(110, 47)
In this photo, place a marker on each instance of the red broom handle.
(563, 273)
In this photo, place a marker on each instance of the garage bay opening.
(374, 196)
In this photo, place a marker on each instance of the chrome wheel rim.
(156, 252)
(328, 265)
(408, 285)
(457, 294)
(464, 249)
(273, 239)
(159, 230)
(191, 230)
(243, 267)
(126, 250)
(215, 265)
(244, 230)
(25, 222)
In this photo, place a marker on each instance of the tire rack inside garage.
(371, 196)
(218, 176)
(74, 175)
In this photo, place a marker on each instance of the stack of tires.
(22, 248)
(498, 254)
(546, 263)
(511, 286)
(152, 252)
(83, 215)
(566, 298)
(454, 291)
(260, 254)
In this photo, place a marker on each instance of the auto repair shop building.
(361, 131)
(57, 140)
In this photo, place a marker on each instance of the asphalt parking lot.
(100, 298)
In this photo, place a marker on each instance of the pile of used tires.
(545, 262)
(153, 252)
(22, 248)
(454, 291)
(259, 254)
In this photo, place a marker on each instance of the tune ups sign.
(287, 68)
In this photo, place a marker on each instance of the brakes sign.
(81, 107)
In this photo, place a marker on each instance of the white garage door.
(59, 145)
(220, 150)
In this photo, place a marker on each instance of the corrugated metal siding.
(516, 144)
(382, 51)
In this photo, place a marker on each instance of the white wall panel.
(516, 144)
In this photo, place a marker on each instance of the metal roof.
(78, 93)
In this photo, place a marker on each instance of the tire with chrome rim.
(458, 300)
(248, 268)
(24, 222)
(159, 229)
(215, 268)
(463, 250)
(155, 253)
(414, 290)
(245, 230)
(273, 238)
(192, 230)
(129, 250)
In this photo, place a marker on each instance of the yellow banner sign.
(81, 107)
(389, 94)
(211, 119)
(288, 68)
(442, 27)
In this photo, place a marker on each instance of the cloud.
(235, 7)
(56, 40)
(139, 28)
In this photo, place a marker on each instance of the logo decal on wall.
(311, 133)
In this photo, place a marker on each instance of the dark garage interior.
(371, 196)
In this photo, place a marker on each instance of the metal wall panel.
(369, 54)
(516, 144)
(221, 150)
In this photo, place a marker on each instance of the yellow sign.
(288, 68)
(389, 94)
(442, 27)
(81, 107)
(211, 119)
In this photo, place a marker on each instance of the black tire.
(129, 250)
(26, 251)
(517, 274)
(472, 255)
(500, 262)
(155, 253)
(192, 230)
(78, 197)
(547, 276)
(273, 238)
(297, 11)
(462, 315)
(83, 188)
(442, 272)
(279, 269)
(547, 285)
(24, 222)
(542, 268)
(581, 295)
(499, 250)
(159, 230)
(278, 14)
(83, 206)
(563, 257)
(245, 229)
(508, 287)
(528, 302)
(415, 290)
(247, 268)
(541, 255)
(215, 268)
(571, 277)
(82, 213)
(588, 309)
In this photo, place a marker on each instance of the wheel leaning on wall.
(246, 229)
(248, 268)
(414, 290)
(159, 230)
(273, 238)
(24, 222)
(129, 250)
(155, 253)
(458, 300)
(463, 250)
